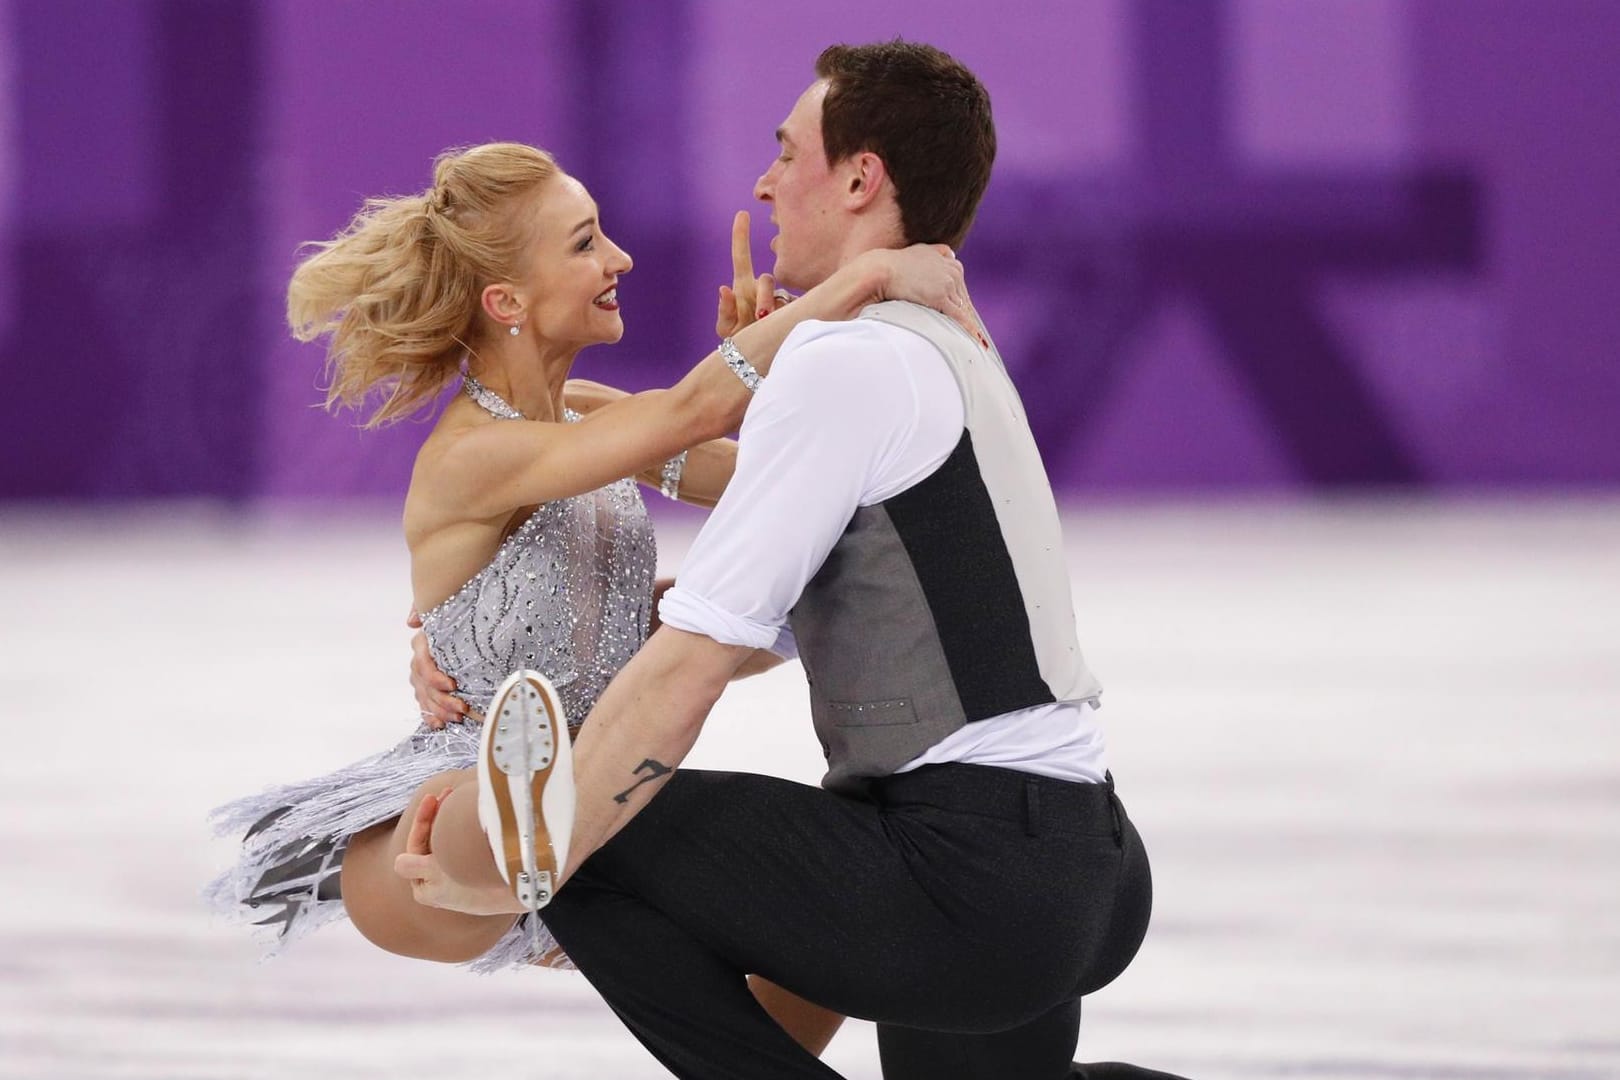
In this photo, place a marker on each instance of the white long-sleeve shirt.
(853, 413)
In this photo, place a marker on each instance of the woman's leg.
(380, 902)
(811, 1026)
(463, 853)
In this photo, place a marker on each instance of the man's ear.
(867, 179)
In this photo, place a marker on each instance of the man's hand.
(429, 886)
(432, 687)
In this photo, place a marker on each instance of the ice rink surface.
(1374, 749)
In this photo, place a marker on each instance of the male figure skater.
(966, 873)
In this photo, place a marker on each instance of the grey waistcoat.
(948, 603)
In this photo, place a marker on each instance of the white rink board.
(1374, 749)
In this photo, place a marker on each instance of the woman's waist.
(577, 689)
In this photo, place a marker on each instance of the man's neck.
(861, 238)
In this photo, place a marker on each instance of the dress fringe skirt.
(293, 839)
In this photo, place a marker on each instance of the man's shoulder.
(838, 364)
(864, 337)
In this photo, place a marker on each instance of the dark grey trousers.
(964, 909)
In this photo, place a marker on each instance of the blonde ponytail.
(399, 289)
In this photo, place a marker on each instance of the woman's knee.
(433, 785)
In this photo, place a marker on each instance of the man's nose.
(762, 187)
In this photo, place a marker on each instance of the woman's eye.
(586, 244)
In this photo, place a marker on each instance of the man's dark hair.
(926, 116)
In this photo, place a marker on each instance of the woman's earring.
(514, 330)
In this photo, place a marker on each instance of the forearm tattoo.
(653, 769)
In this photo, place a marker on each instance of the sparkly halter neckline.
(488, 400)
(497, 406)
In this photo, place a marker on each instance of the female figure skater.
(529, 548)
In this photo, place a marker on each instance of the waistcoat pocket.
(893, 712)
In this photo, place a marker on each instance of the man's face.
(804, 194)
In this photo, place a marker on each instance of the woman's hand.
(747, 298)
(429, 885)
(926, 274)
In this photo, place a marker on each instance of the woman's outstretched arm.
(485, 471)
(708, 465)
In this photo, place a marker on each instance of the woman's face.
(570, 289)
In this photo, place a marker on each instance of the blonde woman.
(529, 547)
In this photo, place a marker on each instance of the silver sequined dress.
(568, 594)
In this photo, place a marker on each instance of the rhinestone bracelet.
(671, 486)
(737, 362)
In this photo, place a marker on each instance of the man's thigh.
(874, 913)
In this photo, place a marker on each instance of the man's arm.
(435, 691)
(836, 422)
(642, 728)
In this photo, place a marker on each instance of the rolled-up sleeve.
(813, 444)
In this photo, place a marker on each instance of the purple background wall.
(1229, 246)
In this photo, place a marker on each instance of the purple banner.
(1230, 245)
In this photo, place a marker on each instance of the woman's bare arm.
(708, 467)
(482, 472)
